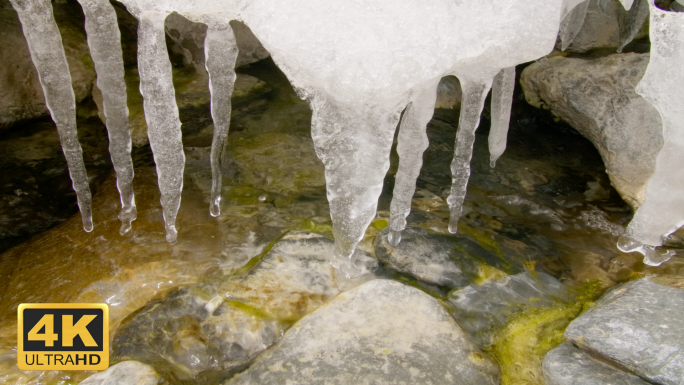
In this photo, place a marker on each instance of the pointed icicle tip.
(394, 237)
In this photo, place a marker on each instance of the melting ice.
(359, 66)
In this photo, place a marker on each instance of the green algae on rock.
(369, 335)
(520, 345)
(222, 323)
(280, 163)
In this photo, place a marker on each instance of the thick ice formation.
(104, 41)
(47, 54)
(663, 209)
(359, 65)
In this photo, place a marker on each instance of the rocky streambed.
(531, 290)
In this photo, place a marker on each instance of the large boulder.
(638, 327)
(568, 365)
(382, 332)
(597, 97)
(21, 95)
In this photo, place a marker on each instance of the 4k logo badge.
(63, 336)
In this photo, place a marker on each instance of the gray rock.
(126, 373)
(189, 41)
(382, 332)
(21, 96)
(568, 365)
(425, 256)
(208, 331)
(481, 309)
(638, 326)
(597, 97)
(449, 261)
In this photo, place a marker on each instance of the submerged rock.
(126, 373)
(425, 256)
(382, 332)
(637, 326)
(481, 309)
(442, 260)
(208, 331)
(597, 97)
(568, 365)
(280, 163)
(449, 93)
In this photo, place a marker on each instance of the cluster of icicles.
(359, 64)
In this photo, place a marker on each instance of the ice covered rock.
(597, 98)
(21, 95)
(126, 373)
(568, 365)
(637, 326)
(367, 335)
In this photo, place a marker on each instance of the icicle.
(353, 142)
(221, 52)
(104, 41)
(627, 4)
(677, 6)
(572, 24)
(161, 115)
(662, 211)
(502, 99)
(412, 142)
(47, 54)
(631, 21)
(474, 94)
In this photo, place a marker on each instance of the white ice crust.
(359, 64)
(663, 209)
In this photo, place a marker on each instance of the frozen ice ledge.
(359, 65)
